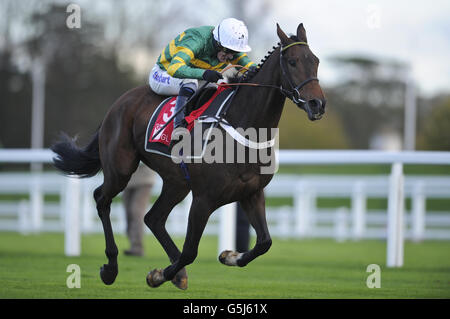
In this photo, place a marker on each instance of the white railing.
(76, 210)
(286, 221)
(395, 224)
(320, 157)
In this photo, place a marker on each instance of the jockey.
(199, 54)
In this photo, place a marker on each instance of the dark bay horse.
(290, 70)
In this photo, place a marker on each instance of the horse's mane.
(250, 74)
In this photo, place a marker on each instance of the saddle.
(208, 102)
(200, 98)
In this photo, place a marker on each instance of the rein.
(294, 92)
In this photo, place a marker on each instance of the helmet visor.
(226, 50)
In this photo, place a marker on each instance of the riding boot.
(179, 122)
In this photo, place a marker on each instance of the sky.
(414, 32)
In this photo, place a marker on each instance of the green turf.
(34, 266)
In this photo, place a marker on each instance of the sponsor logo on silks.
(161, 79)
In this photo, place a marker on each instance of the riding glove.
(212, 76)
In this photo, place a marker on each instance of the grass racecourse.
(34, 266)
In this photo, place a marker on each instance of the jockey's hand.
(212, 76)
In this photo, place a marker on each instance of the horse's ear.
(283, 37)
(301, 33)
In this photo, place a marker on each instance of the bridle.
(293, 93)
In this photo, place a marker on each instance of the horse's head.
(299, 73)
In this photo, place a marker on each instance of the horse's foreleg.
(156, 219)
(254, 207)
(198, 217)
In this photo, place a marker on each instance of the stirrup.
(182, 124)
(173, 141)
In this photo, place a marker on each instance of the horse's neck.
(259, 107)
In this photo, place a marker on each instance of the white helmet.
(232, 34)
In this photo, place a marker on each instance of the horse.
(117, 147)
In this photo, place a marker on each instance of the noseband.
(294, 92)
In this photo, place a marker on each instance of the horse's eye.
(291, 62)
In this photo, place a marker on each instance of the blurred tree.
(138, 30)
(83, 78)
(262, 32)
(15, 102)
(368, 97)
(15, 87)
(436, 128)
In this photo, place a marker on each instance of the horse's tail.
(77, 161)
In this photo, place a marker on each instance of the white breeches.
(164, 84)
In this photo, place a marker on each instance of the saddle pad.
(166, 112)
(159, 144)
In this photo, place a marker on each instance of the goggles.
(226, 50)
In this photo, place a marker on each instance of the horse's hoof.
(230, 258)
(155, 278)
(108, 274)
(181, 280)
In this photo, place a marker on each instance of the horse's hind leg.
(114, 182)
(199, 213)
(156, 219)
(108, 272)
(254, 207)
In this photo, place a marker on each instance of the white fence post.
(23, 217)
(87, 210)
(36, 203)
(186, 208)
(418, 212)
(72, 238)
(227, 228)
(359, 210)
(284, 222)
(121, 223)
(395, 217)
(302, 208)
(340, 224)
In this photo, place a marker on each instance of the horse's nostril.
(324, 102)
(315, 103)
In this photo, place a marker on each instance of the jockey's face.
(223, 57)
